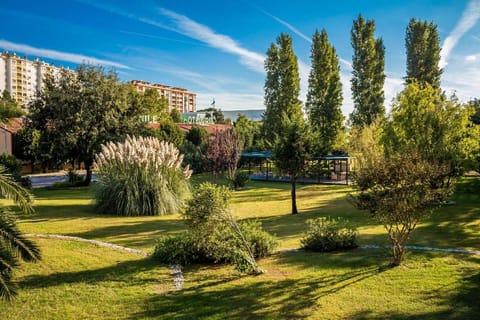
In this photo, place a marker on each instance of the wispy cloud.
(58, 55)
(185, 26)
(469, 18)
(290, 27)
(195, 30)
(151, 36)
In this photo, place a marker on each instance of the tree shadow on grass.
(121, 272)
(290, 225)
(462, 302)
(135, 233)
(59, 212)
(266, 296)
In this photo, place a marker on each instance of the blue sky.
(216, 48)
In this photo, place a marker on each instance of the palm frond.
(12, 239)
(7, 264)
(12, 190)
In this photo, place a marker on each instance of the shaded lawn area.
(80, 281)
(348, 285)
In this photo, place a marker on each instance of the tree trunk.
(88, 176)
(398, 249)
(32, 166)
(294, 196)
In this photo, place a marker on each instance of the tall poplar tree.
(282, 87)
(423, 53)
(368, 75)
(324, 97)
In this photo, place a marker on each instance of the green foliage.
(184, 249)
(368, 75)
(169, 131)
(139, 177)
(324, 97)
(77, 113)
(194, 156)
(398, 191)
(154, 106)
(27, 145)
(13, 245)
(365, 142)
(9, 107)
(329, 234)
(217, 234)
(261, 242)
(293, 149)
(197, 135)
(282, 87)
(12, 165)
(439, 129)
(178, 249)
(423, 53)
(209, 203)
(248, 131)
(241, 179)
(175, 115)
(475, 103)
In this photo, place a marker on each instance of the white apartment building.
(179, 98)
(23, 78)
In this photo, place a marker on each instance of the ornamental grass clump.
(141, 177)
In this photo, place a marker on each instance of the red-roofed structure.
(7, 130)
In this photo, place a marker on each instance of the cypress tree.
(324, 97)
(423, 53)
(368, 75)
(282, 87)
(272, 116)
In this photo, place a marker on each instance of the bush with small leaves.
(261, 242)
(215, 236)
(178, 249)
(241, 178)
(329, 234)
(140, 177)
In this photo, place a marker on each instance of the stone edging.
(420, 248)
(452, 250)
(94, 242)
(175, 270)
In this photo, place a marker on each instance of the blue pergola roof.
(258, 154)
(270, 154)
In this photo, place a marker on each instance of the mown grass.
(78, 281)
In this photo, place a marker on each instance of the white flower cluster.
(147, 152)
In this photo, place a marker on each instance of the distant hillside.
(255, 115)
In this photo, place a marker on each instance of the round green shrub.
(141, 177)
(329, 234)
(214, 235)
(261, 242)
(179, 249)
(241, 179)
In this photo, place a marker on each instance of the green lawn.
(80, 281)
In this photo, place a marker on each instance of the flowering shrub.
(140, 177)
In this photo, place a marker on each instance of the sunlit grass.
(80, 281)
